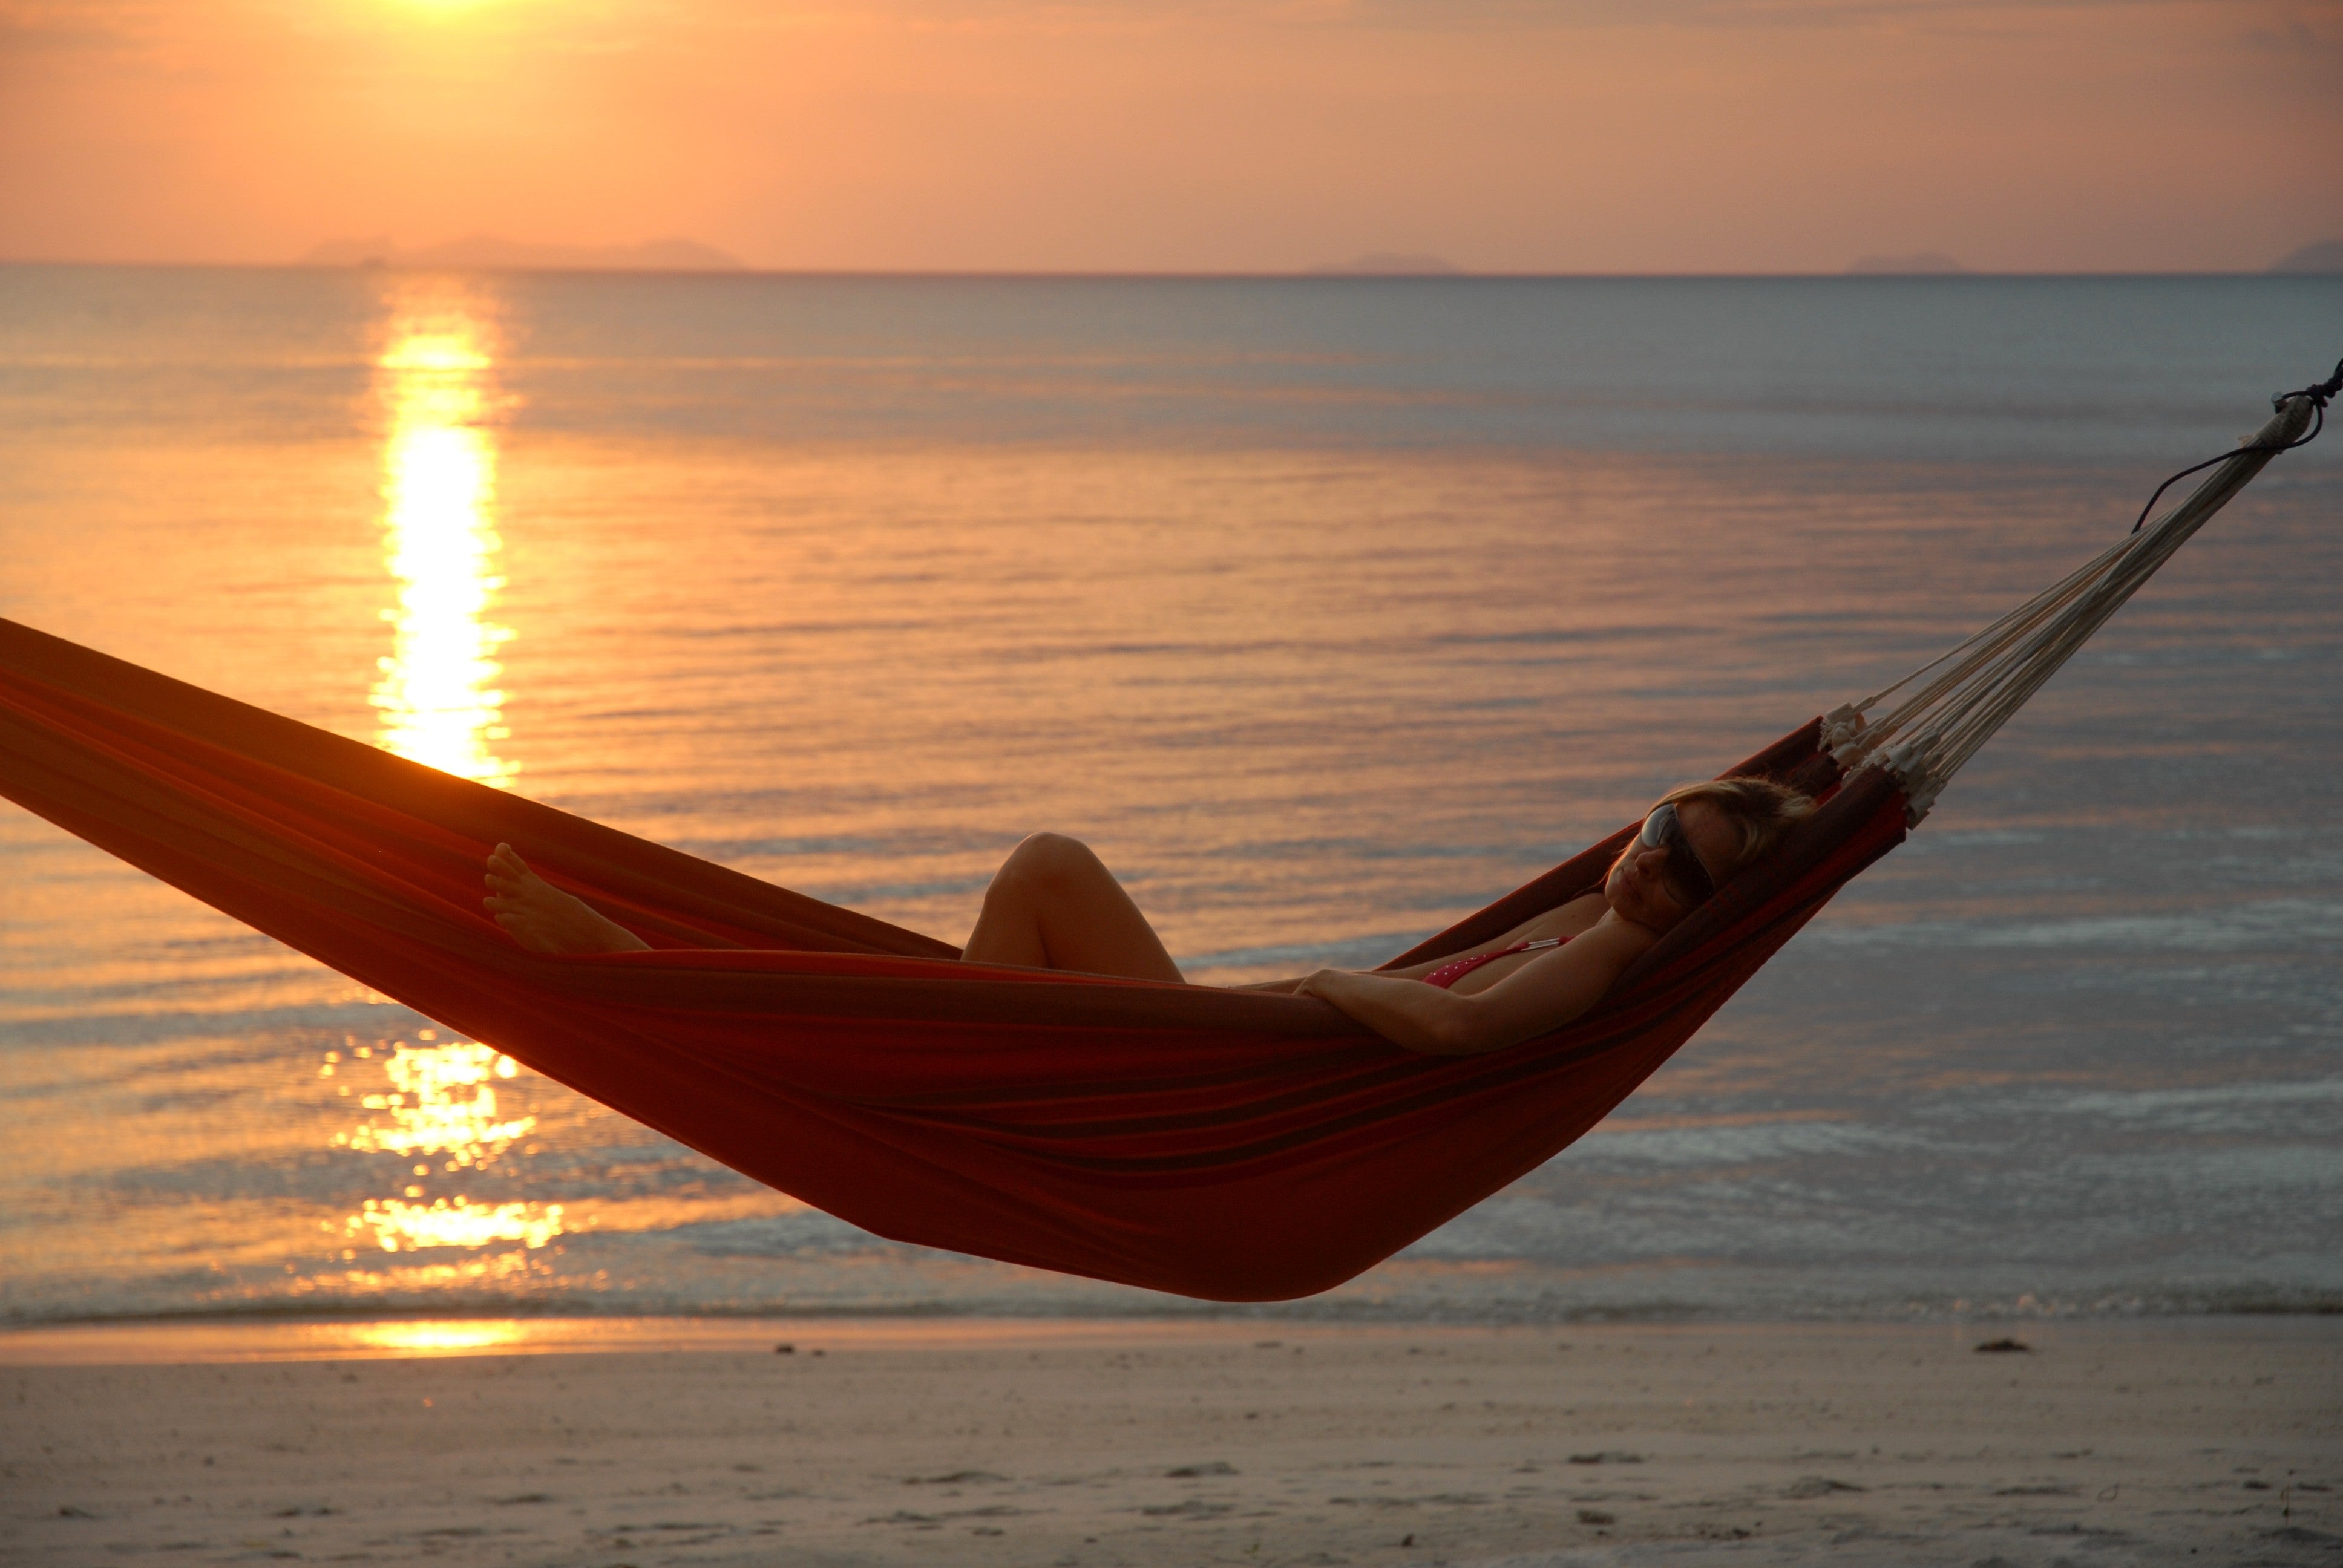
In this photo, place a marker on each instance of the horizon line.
(1164, 275)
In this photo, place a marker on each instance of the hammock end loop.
(2304, 406)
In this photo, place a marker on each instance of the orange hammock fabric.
(1219, 1144)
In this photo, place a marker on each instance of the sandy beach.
(2170, 1441)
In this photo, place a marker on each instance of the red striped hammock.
(1230, 1145)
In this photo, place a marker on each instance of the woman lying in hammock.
(1054, 905)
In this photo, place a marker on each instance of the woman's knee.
(1048, 860)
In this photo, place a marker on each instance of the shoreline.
(208, 1341)
(1141, 1444)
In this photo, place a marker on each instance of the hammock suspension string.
(1950, 707)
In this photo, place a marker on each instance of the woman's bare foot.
(543, 919)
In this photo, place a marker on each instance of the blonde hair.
(1760, 811)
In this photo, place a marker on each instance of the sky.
(1509, 136)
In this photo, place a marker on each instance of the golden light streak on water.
(440, 1103)
(437, 697)
(442, 1099)
(395, 1225)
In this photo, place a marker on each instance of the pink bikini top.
(1455, 970)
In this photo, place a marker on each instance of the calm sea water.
(1327, 609)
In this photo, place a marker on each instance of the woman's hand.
(1314, 982)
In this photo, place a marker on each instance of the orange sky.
(1177, 135)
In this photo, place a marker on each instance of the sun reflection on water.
(394, 1224)
(438, 1108)
(437, 699)
(441, 1099)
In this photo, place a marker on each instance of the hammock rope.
(1227, 1145)
(1954, 704)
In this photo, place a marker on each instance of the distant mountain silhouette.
(2319, 255)
(1919, 264)
(487, 252)
(1386, 264)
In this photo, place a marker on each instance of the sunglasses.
(1687, 880)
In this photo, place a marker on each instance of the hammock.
(1229, 1145)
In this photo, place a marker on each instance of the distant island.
(1387, 264)
(2319, 255)
(1919, 264)
(489, 253)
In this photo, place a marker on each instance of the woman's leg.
(1051, 905)
(1054, 905)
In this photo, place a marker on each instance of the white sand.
(2200, 1441)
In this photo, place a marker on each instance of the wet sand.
(2206, 1441)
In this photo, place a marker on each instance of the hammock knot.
(2320, 393)
(1843, 736)
(1915, 773)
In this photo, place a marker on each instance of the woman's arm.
(1542, 994)
(1578, 915)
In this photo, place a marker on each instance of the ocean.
(1327, 609)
